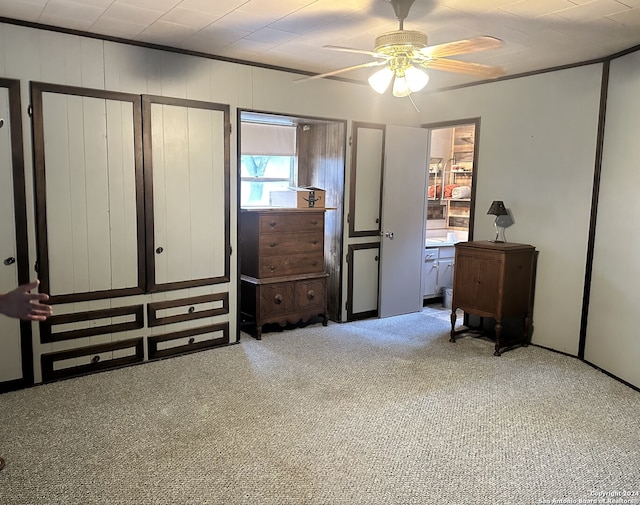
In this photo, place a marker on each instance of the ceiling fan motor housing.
(399, 40)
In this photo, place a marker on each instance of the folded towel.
(461, 192)
(434, 191)
(448, 189)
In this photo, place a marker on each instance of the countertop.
(438, 242)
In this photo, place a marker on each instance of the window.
(259, 175)
(268, 161)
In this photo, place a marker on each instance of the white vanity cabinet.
(437, 270)
(430, 272)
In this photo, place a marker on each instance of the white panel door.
(10, 350)
(190, 216)
(367, 177)
(403, 218)
(88, 185)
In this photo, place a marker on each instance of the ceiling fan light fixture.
(416, 78)
(401, 87)
(381, 79)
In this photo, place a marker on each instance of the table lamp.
(498, 209)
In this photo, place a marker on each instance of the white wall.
(612, 340)
(536, 152)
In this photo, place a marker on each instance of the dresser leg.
(498, 330)
(452, 335)
(258, 332)
(325, 319)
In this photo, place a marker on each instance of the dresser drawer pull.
(314, 263)
(273, 244)
(192, 310)
(272, 224)
(272, 268)
(314, 222)
(311, 294)
(95, 359)
(277, 299)
(192, 340)
(314, 242)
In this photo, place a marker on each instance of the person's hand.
(22, 304)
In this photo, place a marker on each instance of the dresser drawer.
(310, 294)
(292, 243)
(291, 222)
(276, 299)
(277, 266)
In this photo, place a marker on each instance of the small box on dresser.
(282, 266)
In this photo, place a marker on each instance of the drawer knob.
(273, 244)
(95, 359)
(314, 222)
(192, 340)
(192, 310)
(314, 263)
(159, 250)
(311, 294)
(277, 299)
(272, 224)
(10, 261)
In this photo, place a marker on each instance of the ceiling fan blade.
(464, 67)
(462, 47)
(339, 71)
(353, 50)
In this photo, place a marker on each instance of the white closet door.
(190, 210)
(90, 226)
(403, 207)
(10, 350)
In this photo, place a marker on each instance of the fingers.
(29, 286)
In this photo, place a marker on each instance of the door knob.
(389, 235)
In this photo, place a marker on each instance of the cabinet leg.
(452, 335)
(498, 330)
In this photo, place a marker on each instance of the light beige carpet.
(377, 412)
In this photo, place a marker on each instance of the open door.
(403, 218)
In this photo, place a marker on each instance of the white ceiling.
(537, 34)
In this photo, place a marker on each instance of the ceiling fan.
(402, 52)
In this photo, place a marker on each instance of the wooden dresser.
(495, 280)
(282, 266)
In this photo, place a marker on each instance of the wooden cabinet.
(494, 280)
(282, 266)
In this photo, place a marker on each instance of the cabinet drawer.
(291, 243)
(276, 266)
(291, 222)
(310, 294)
(447, 252)
(276, 299)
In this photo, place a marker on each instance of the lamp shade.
(381, 79)
(497, 208)
(416, 78)
(401, 87)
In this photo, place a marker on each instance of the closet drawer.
(187, 341)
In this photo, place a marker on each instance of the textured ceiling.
(537, 34)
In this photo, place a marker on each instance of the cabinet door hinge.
(30, 110)
(230, 128)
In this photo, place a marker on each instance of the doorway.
(311, 152)
(452, 171)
